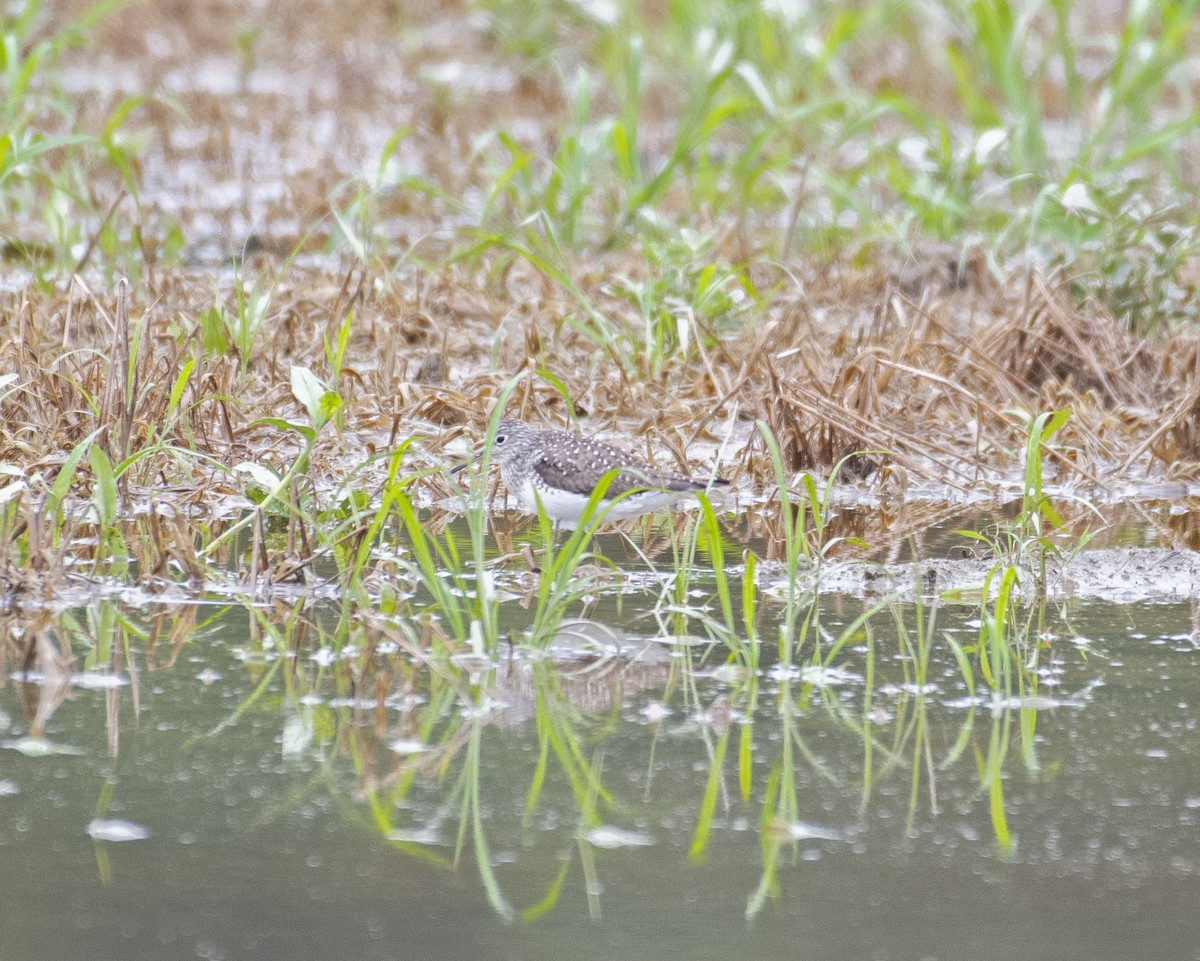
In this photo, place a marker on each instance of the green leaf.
(308, 389)
(308, 433)
(66, 474)
(328, 406)
(104, 494)
(708, 803)
(260, 473)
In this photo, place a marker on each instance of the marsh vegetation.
(919, 279)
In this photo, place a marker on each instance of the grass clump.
(836, 131)
(53, 159)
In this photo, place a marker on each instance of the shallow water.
(267, 782)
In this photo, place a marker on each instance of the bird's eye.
(499, 439)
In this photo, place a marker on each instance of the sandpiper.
(560, 470)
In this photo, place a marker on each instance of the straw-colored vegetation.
(882, 228)
(269, 273)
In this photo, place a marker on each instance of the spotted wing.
(577, 466)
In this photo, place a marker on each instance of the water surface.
(310, 790)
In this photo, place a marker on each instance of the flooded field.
(899, 301)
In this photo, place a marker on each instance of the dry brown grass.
(923, 362)
(857, 366)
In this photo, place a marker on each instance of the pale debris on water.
(112, 829)
(656, 711)
(819, 675)
(39, 747)
(88, 680)
(1126, 575)
(424, 835)
(408, 745)
(804, 831)
(609, 837)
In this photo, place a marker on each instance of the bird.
(560, 470)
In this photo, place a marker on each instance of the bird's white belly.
(561, 505)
